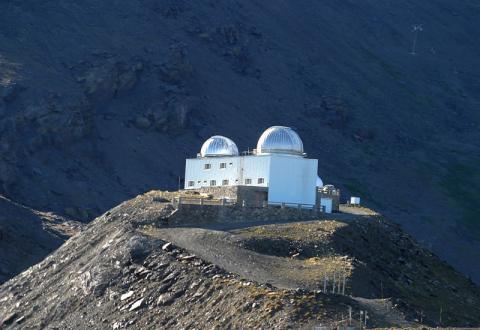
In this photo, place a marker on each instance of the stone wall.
(255, 196)
(252, 195)
(204, 214)
(230, 192)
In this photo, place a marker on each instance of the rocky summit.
(134, 268)
(103, 100)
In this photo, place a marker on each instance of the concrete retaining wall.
(252, 195)
(204, 214)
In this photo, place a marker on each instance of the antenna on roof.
(415, 29)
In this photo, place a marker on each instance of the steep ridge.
(122, 272)
(102, 100)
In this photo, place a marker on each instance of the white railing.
(296, 205)
(202, 201)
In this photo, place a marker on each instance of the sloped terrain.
(27, 236)
(380, 260)
(129, 269)
(102, 100)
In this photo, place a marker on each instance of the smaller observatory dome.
(280, 139)
(218, 146)
(319, 182)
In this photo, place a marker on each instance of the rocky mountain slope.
(122, 272)
(27, 236)
(102, 100)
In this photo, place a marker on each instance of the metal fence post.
(333, 286)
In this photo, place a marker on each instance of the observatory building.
(276, 172)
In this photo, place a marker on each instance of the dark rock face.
(99, 102)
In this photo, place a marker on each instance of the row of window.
(225, 182)
(212, 183)
(259, 181)
(222, 165)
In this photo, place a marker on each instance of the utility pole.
(415, 29)
(325, 280)
(381, 288)
(343, 286)
(440, 319)
(333, 287)
(350, 316)
(366, 317)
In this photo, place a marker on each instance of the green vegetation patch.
(462, 186)
(359, 189)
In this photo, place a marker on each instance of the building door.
(260, 197)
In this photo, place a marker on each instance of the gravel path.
(224, 250)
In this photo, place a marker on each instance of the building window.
(248, 181)
(223, 165)
(224, 182)
(260, 180)
(191, 183)
(208, 166)
(199, 181)
(213, 182)
(231, 164)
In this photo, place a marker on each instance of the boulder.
(165, 299)
(136, 305)
(142, 122)
(7, 319)
(104, 82)
(126, 295)
(10, 92)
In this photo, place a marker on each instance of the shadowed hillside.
(132, 268)
(101, 100)
(27, 236)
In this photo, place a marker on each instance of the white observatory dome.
(280, 139)
(218, 146)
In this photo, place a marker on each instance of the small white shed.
(355, 200)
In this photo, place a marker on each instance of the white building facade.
(278, 164)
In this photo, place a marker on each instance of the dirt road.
(224, 250)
